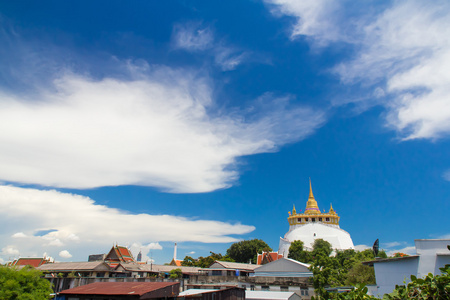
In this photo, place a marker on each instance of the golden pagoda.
(312, 213)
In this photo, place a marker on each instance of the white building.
(431, 255)
(312, 225)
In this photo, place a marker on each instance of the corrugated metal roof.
(69, 266)
(117, 288)
(380, 260)
(282, 274)
(268, 295)
(165, 268)
(234, 265)
(196, 291)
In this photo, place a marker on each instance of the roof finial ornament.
(294, 211)
(310, 189)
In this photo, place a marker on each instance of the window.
(252, 287)
(304, 292)
(320, 219)
(265, 288)
(299, 219)
(306, 219)
(216, 272)
(313, 219)
(327, 219)
(284, 288)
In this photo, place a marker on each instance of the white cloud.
(65, 254)
(362, 247)
(19, 235)
(315, 18)
(192, 36)
(402, 49)
(192, 252)
(195, 37)
(9, 250)
(159, 130)
(392, 244)
(410, 250)
(25, 210)
(145, 250)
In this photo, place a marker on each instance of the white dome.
(338, 238)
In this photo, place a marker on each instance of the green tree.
(245, 251)
(360, 274)
(204, 262)
(189, 262)
(297, 252)
(175, 273)
(321, 247)
(23, 284)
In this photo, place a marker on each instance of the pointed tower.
(311, 204)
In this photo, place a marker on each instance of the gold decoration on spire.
(313, 214)
(310, 190)
(311, 205)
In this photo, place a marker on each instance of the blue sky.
(200, 122)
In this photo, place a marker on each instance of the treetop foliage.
(204, 262)
(26, 283)
(242, 252)
(344, 268)
(247, 251)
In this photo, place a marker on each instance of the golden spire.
(311, 205)
(331, 209)
(294, 211)
(310, 190)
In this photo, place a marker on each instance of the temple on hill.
(312, 225)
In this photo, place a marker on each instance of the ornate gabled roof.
(30, 261)
(119, 254)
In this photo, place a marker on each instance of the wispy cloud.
(155, 131)
(27, 210)
(446, 175)
(192, 36)
(197, 37)
(316, 19)
(410, 250)
(402, 52)
(143, 125)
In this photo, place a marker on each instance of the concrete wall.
(390, 273)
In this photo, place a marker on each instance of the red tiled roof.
(118, 288)
(34, 262)
(176, 262)
(119, 254)
(269, 256)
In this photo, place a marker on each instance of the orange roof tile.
(34, 262)
(266, 257)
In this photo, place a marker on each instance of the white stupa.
(312, 225)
